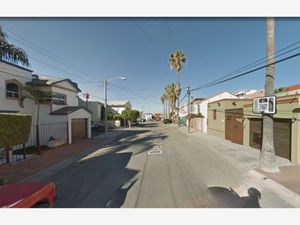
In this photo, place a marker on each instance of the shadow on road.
(92, 183)
(227, 198)
(100, 178)
(148, 124)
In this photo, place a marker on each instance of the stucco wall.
(204, 104)
(81, 113)
(285, 111)
(217, 127)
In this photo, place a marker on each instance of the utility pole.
(189, 113)
(105, 105)
(267, 155)
(87, 96)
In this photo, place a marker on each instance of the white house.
(60, 116)
(244, 93)
(199, 105)
(147, 116)
(120, 106)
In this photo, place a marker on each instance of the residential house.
(233, 119)
(60, 117)
(200, 106)
(244, 93)
(97, 109)
(120, 106)
(288, 90)
(225, 119)
(286, 127)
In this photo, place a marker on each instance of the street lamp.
(105, 98)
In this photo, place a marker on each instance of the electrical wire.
(246, 73)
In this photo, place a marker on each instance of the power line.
(252, 65)
(39, 48)
(257, 62)
(49, 55)
(149, 38)
(248, 72)
(170, 33)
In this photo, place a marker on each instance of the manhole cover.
(155, 152)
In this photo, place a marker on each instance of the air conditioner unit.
(264, 105)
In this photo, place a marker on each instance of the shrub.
(14, 129)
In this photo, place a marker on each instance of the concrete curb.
(286, 194)
(44, 174)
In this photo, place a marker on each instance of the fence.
(56, 131)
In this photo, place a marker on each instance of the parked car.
(27, 195)
(165, 121)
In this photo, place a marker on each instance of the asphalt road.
(155, 165)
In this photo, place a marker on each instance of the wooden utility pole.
(267, 156)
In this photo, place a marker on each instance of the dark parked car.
(166, 121)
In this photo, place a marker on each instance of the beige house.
(286, 128)
(233, 119)
(225, 119)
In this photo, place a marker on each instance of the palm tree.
(11, 53)
(163, 100)
(35, 93)
(171, 95)
(177, 60)
(267, 157)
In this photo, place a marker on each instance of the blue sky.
(107, 47)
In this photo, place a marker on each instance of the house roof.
(293, 87)
(257, 94)
(197, 100)
(48, 81)
(15, 65)
(67, 110)
(218, 94)
(118, 103)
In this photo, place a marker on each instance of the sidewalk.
(285, 183)
(288, 176)
(16, 172)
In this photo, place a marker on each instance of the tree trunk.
(178, 97)
(267, 156)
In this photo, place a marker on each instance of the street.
(157, 165)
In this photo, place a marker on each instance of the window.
(198, 108)
(12, 90)
(59, 99)
(215, 114)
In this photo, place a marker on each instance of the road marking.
(155, 152)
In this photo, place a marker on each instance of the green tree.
(35, 93)
(130, 115)
(11, 53)
(176, 61)
(267, 158)
(171, 95)
(163, 100)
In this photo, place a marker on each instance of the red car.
(27, 195)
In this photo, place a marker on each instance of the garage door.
(282, 136)
(79, 129)
(234, 125)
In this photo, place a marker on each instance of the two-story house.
(60, 116)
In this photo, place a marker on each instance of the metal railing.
(48, 131)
